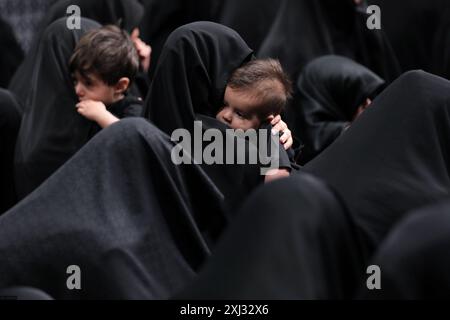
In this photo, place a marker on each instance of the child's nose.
(227, 115)
(79, 90)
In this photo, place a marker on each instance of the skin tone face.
(92, 87)
(361, 108)
(238, 111)
(94, 94)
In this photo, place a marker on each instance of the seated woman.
(332, 92)
(120, 201)
(51, 130)
(394, 159)
(201, 59)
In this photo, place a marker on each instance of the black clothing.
(304, 30)
(51, 130)
(394, 158)
(330, 90)
(120, 196)
(414, 260)
(9, 128)
(292, 239)
(11, 54)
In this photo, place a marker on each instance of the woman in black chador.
(332, 92)
(394, 158)
(51, 130)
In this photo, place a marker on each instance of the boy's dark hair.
(107, 52)
(265, 80)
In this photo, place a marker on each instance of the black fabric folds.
(119, 200)
(292, 239)
(11, 54)
(192, 73)
(189, 84)
(9, 128)
(51, 130)
(126, 14)
(414, 259)
(162, 17)
(394, 158)
(304, 30)
(330, 90)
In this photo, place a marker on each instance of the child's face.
(239, 110)
(92, 87)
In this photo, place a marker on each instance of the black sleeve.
(133, 110)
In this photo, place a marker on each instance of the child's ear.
(122, 85)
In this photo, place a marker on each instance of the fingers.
(135, 34)
(286, 139)
(280, 126)
(275, 120)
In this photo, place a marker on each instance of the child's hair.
(107, 52)
(265, 80)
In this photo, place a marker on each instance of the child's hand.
(96, 111)
(144, 50)
(280, 126)
(92, 110)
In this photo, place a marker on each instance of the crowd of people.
(359, 119)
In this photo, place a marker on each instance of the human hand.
(90, 109)
(275, 174)
(280, 126)
(144, 51)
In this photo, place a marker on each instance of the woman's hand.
(144, 50)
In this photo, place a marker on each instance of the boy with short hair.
(103, 66)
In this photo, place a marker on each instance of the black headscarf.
(394, 158)
(189, 84)
(9, 128)
(125, 13)
(120, 199)
(304, 30)
(162, 17)
(252, 19)
(414, 260)
(330, 90)
(11, 54)
(195, 65)
(292, 239)
(51, 130)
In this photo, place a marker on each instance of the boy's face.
(239, 110)
(92, 87)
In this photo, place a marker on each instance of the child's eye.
(240, 114)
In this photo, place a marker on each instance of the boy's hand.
(144, 50)
(280, 126)
(96, 111)
(90, 109)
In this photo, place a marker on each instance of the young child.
(103, 65)
(255, 95)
